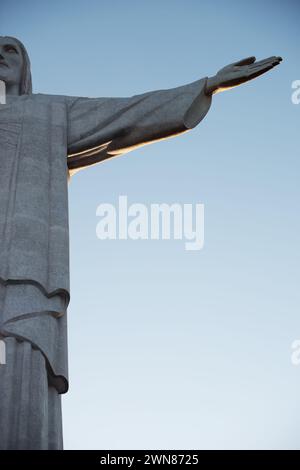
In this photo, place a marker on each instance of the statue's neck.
(13, 90)
(10, 89)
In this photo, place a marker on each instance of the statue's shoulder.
(44, 98)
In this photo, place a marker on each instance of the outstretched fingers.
(263, 66)
(270, 61)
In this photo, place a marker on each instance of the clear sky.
(170, 348)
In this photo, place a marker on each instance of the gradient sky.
(171, 349)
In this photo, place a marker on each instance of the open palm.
(240, 72)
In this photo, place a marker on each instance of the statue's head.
(15, 65)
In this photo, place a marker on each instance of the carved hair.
(26, 80)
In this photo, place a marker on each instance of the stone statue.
(43, 140)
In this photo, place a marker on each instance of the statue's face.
(11, 62)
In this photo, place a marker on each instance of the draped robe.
(43, 138)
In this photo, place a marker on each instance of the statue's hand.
(240, 72)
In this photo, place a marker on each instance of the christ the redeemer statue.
(43, 140)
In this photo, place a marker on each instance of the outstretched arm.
(101, 128)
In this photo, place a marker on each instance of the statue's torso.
(34, 237)
(34, 203)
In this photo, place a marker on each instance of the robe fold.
(42, 139)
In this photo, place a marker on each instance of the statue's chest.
(10, 129)
(36, 125)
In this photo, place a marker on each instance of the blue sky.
(169, 348)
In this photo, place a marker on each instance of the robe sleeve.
(101, 128)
